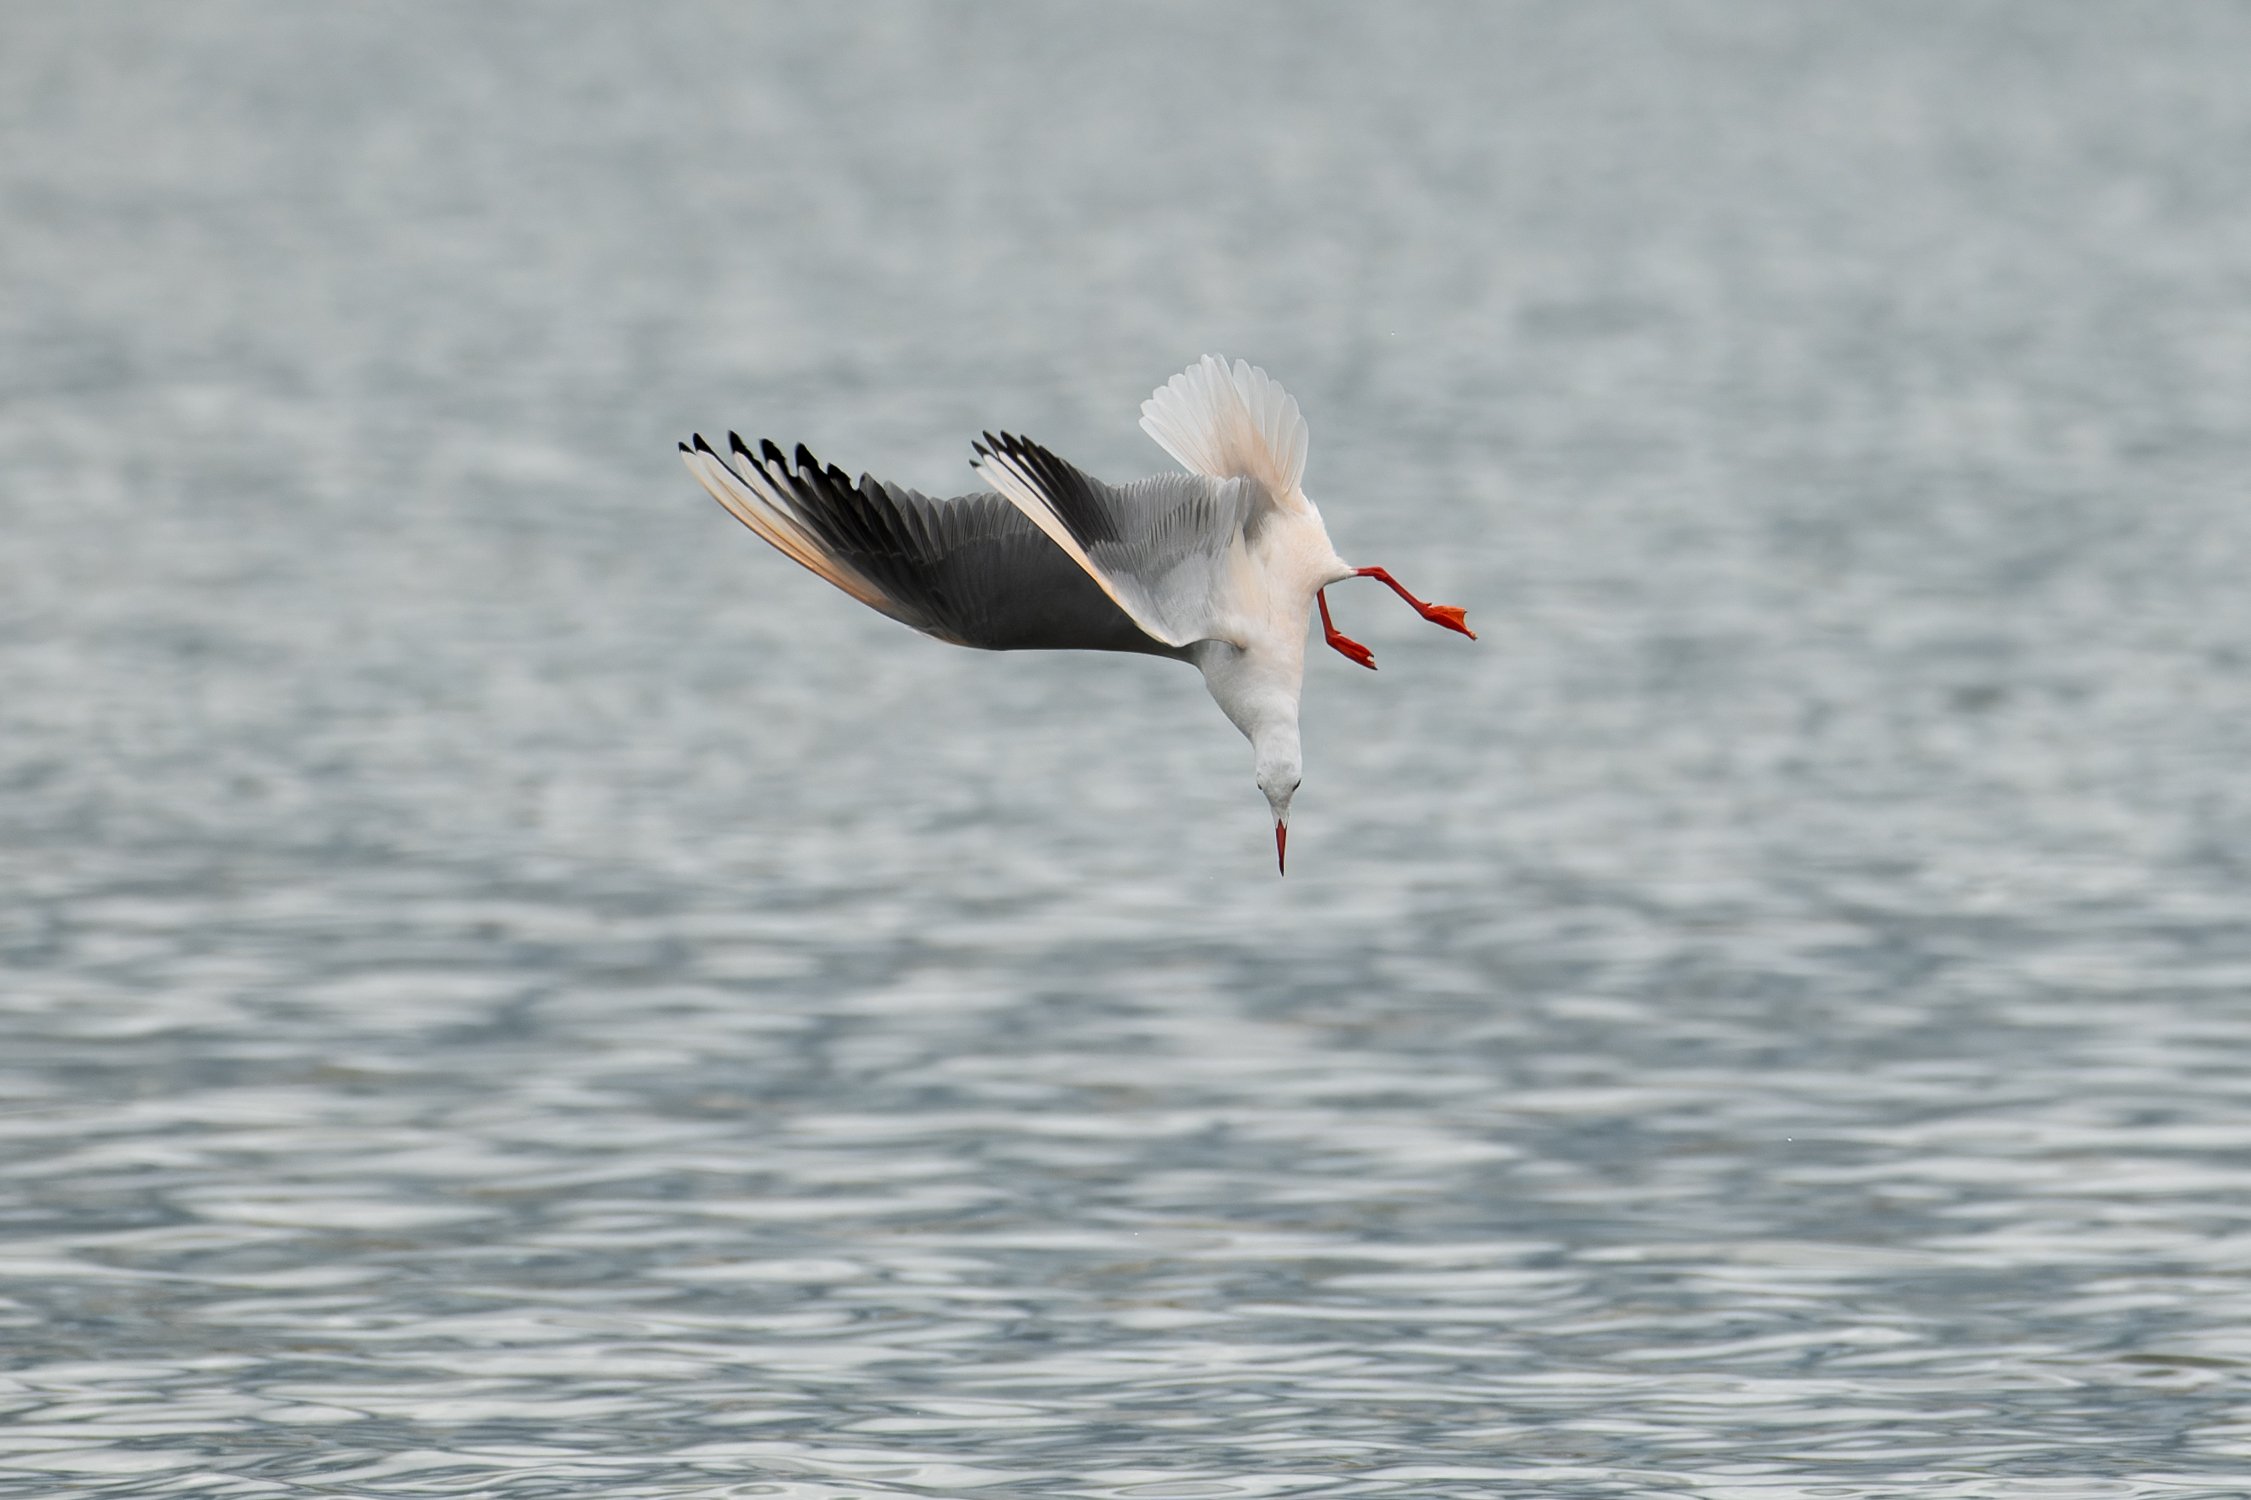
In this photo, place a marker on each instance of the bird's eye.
(1296, 784)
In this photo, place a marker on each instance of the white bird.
(1216, 566)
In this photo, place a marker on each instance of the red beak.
(1282, 848)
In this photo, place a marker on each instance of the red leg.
(1343, 643)
(1447, 615)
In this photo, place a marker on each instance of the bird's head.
(1278, 777)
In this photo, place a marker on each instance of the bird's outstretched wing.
(972, 570)
(1168, 550)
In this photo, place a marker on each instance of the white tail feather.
(1230, 424)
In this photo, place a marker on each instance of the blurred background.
(509, 987)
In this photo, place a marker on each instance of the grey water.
(510, 989)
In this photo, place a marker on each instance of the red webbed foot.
(1353, 649)
(1344, 644)
(1449, 615)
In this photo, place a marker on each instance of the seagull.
(1216, 566)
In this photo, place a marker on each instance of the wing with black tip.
(972, 570)
(1169, 551)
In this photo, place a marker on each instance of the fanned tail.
(1230, 423)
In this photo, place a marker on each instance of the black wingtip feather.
(1070, 493)
(772, 453)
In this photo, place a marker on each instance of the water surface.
(508, 989)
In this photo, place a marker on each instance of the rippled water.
(510, 990)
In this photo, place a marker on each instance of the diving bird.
(1216, 567)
